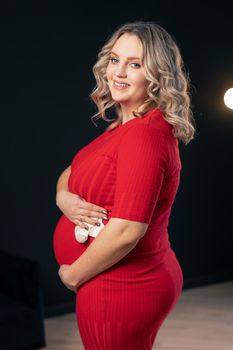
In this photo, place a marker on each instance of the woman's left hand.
(65, 278)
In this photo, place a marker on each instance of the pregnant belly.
(66, 248)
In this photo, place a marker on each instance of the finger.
(80, 223)
(92, 220)
(94, 208)
(87, 214)
(64, 266)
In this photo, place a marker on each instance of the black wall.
(47, 56)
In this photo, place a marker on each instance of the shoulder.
(146, 141)
(153, 122)
(157, 118)
(147, 138)
(143, 131)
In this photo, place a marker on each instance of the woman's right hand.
(75, 208)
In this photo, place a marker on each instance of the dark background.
(47, 54)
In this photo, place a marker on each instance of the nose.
(120, 72)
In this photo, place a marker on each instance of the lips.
(120, 82)
(120, 87)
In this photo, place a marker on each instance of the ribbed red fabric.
(133, 171)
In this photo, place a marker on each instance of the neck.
(127, 114)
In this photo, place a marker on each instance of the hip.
(136, 277)
(110, 295)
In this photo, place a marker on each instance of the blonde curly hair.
(169, 84)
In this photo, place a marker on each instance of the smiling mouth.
(120, 85)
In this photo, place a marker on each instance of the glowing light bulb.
(228, 98)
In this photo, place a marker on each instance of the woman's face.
(125, 66)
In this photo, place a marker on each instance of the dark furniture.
(21, 304)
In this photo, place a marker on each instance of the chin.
(119, 97)
(121, 100)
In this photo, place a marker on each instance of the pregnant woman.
(125, 274)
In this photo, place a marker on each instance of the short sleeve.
(140, 167)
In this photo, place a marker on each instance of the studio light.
(228, 98)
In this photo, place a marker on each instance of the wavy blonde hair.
(169, 84)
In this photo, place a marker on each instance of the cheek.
(141, 83)
(137, 78)
(108, 72)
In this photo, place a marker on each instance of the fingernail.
(104, 212)
(105, 217)
(97, 224)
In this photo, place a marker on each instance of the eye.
(138, 65)
(112, 58)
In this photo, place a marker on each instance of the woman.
(127, 278)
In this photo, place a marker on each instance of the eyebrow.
(129, 58)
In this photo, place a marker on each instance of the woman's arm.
(116, 239)
(62, 183)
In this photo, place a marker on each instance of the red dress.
(133, 171)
